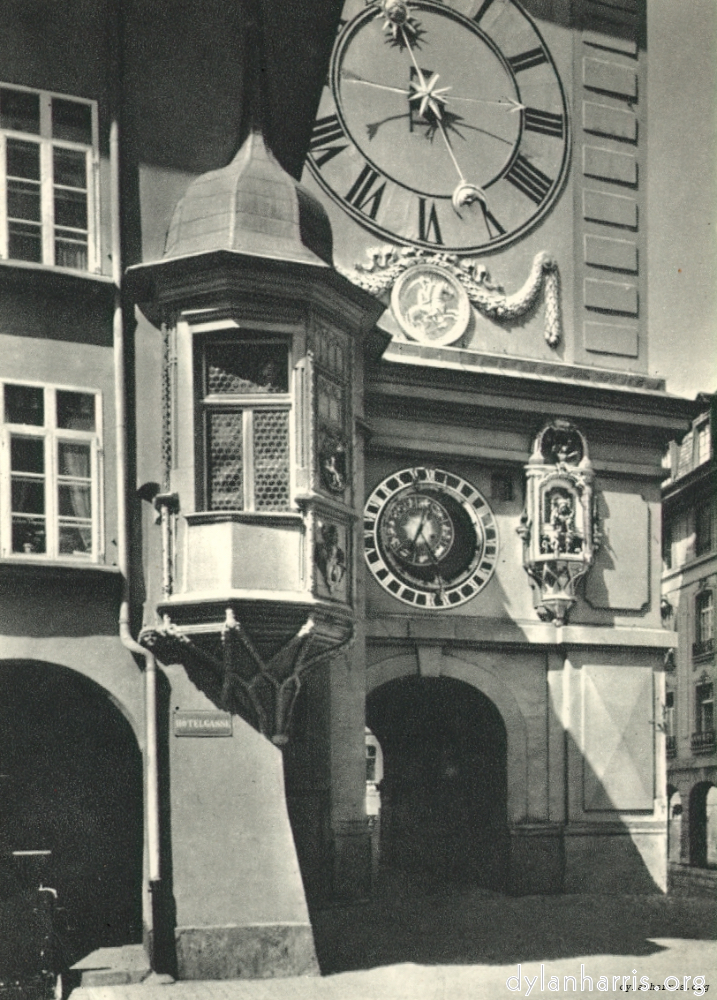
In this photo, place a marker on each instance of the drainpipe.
(125, 634)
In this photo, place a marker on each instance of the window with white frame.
(670, 730)
(48, 157)
(704, 708)
(703, 444)
(246, 404)
(49, 501)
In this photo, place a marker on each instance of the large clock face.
(442, 124)
(430, 538)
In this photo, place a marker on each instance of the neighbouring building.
(282, 461)
(689, 582)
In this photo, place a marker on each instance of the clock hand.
(373, 127)
(351, 77)
(438, 577)
(465, 193)
(508, 103)
(432, 98)
(424, 513)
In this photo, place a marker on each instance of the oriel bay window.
(246, 411)
(49, 474)
(48, 157)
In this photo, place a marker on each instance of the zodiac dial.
(442, 124)
(430, 538)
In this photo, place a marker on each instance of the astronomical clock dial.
(443, 123)
(430, 538)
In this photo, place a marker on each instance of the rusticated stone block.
(264, 951)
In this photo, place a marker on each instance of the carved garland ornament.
(388, 263)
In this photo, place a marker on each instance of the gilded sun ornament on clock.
(443, 123)
(430, 538)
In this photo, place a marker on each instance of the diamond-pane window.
(271, 459)
(226, 483)
(241, 369)
(247, 438)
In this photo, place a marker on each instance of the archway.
(444, 789)
(72, 785)
(674, 825)
(703, 819)
(711, 824)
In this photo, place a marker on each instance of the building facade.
(688, 603)
(284, 460)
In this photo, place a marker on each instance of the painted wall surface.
(683, 193)
(55, 340)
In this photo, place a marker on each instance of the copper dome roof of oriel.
(251, 207)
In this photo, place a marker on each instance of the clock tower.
(505, 134)
(482, 163)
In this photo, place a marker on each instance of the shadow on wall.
(448, 871)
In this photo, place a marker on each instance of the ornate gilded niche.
(558, 527)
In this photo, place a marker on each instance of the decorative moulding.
(389, 264)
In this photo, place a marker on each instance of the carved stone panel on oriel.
(331, 560)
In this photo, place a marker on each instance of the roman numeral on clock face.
(528, 179)
(543, 121)
(364, 194)
(326, 137)
(428, 229)
(492, 225)
(527, 60)
(482, 10)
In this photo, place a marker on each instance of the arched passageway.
(72, 784)
(703, 825)
(711, 824)
(444, 788)
(674, 824)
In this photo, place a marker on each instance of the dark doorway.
(444, 789)
(72, 784)
(703, 825)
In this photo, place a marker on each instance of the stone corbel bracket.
(388, 263)
(269, 687)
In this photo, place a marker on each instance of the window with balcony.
(246, 406)
(48, 156)
(704, 624)
(49, 472)
(703, 739)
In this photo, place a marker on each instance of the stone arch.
(74, 787)
(495, 689)
(674, 824)
(698, 820)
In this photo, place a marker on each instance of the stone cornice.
(465, 379)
